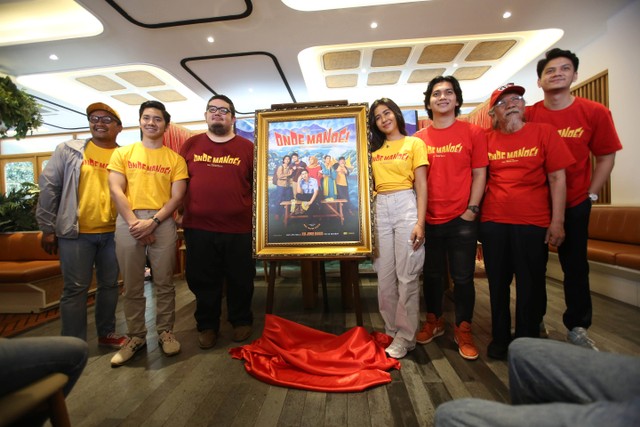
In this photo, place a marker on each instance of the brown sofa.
(30, 279)
(613, 251)
(22, 259)
(614, 236)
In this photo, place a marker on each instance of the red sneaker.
(462, 337)
(430, 329)
(112, 340)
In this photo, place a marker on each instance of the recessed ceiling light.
(455, 65)
(506, 15)
(374, 25)
(210, 39)
(364, 70)
(53, 57)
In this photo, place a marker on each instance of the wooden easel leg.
(271, 282)
(323, 280)
(355, 283)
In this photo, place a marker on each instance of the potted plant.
(18, 110)
(18, 208)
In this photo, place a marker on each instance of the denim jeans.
(556, 384)
(132, 258)
(77, 259)
(455, 243)
(212, 259)
(25, 360)
(397, 265)
(515, 249)
(575, 266)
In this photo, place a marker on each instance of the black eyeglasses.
(104, 119)
(504, 101)
(213, 109)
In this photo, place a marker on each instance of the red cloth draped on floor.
(292, 355)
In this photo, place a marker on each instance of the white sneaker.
(168, 343)
(398, 348)
(127, 351)
(578, 336)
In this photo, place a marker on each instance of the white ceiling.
(265, 52)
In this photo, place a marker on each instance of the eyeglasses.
(504, 101)
(213, 109)
(104, 119)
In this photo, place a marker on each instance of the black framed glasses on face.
(104, 119)
(213, 109)
(504, 101)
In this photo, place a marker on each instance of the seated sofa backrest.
(615, 224)
(23, 246)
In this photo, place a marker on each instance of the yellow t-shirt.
(96, 211)
(149, 173)
(393, 164)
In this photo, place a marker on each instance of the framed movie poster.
(312, 182)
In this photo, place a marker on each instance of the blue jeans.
(455, 242)
(575, 266)
(556, 384)
(26, 360)
(77, 259)
(212, 259)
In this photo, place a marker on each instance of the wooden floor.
(207, 387)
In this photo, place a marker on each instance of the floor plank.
(209, 388)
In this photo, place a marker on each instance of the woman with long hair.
(399, 165)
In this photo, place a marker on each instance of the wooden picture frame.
(288, 220)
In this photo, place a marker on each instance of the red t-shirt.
(220, 193)
(585, 126)
(517, 188)
(453, 152)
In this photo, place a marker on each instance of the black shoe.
(497, 351)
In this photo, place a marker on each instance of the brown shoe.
(241, 333)
(432, 328)
(462, 337)
(207, 338)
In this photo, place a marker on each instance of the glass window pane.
(15, 173)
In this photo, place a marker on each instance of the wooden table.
(333, 210)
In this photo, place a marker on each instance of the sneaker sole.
(441, 333)
(464, 356)
(117, 365)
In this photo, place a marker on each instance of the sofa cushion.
(629, 259)
(23, 246)
(28, 271)
(615, 224)
(601, 251)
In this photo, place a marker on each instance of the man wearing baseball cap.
(77, 219)
(522, 212)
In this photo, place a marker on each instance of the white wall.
(617, 51)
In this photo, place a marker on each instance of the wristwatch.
(474, 208)
(593, 197)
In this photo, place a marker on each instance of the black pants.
(455, 241)
(511, 249)
(211, 258)
(575, 266)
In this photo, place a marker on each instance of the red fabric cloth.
(292, 355)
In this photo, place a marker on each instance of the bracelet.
(156, 220)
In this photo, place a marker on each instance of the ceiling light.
(363, 71)
(53, 57)
(53, 19)
(210, 39)
(374, 25)
(506, 15)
